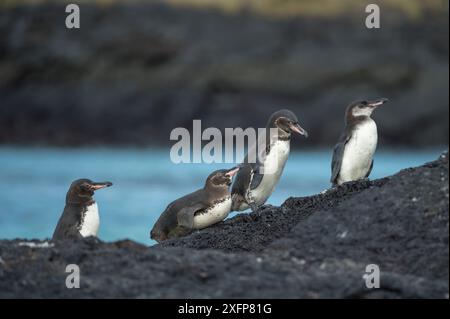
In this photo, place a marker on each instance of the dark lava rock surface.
(311, 247)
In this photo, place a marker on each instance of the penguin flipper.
(242, 180)
(256, 177)
(338, 153)
(248, 178)
(67, 227)
(185, 217)
(370, 170)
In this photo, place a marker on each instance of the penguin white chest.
(359, 151)
(213, 215)
(273, 166)
(91, 221)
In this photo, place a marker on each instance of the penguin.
(255, 182)
(197, 210)
(80, 217)
(353, 154)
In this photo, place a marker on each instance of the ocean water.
(34, 182)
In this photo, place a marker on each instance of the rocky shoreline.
(311, 247)
(134, 71)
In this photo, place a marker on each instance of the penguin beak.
(295, 127)
(233, 171)
(376, 103)
(97, 186)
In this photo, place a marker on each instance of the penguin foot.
(258, 214)
(246, 218)
(255, 209)
(364, 181)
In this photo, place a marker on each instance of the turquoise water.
(34, 183)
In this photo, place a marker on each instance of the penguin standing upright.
(80, 217)
(353, 154)
(255, 182)
(198, 210)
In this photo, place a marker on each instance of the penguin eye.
(85, 187)
(283, 122)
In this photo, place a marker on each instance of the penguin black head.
(221, 178)
(82, 190)
(363, 108)
(286, 122)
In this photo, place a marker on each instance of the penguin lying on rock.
(198, 210)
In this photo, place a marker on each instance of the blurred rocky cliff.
(137, 69)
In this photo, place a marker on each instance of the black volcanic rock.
(312, 247)
(134, 71)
